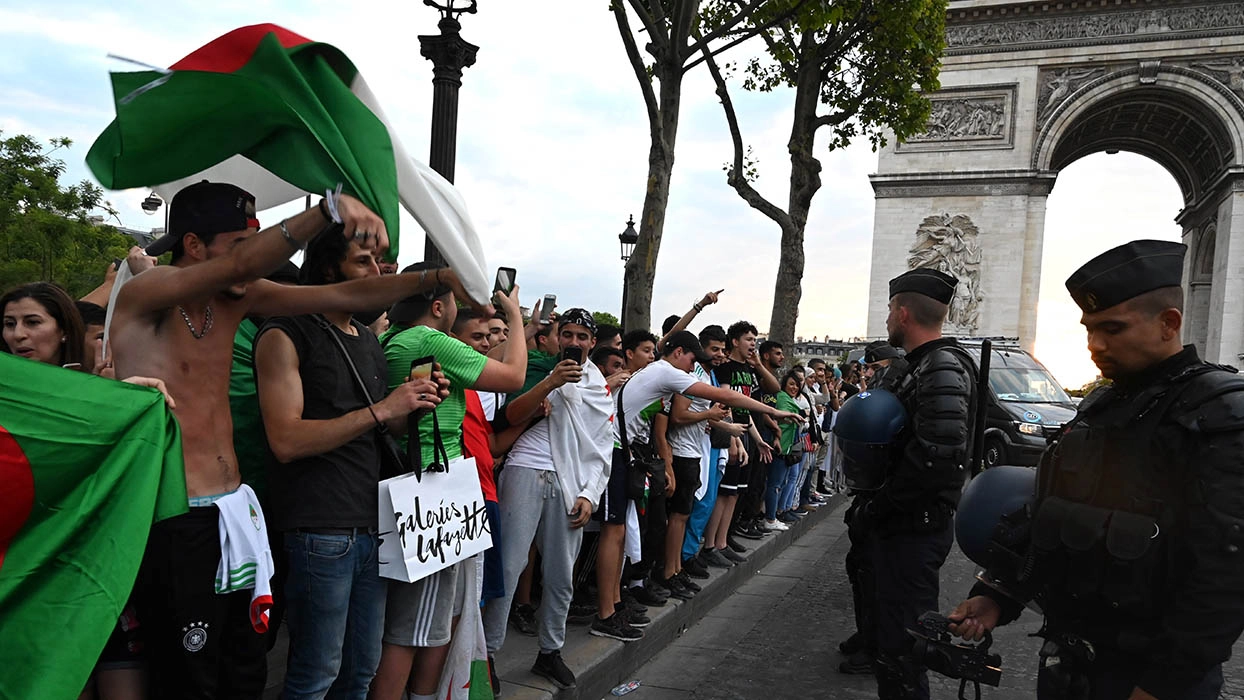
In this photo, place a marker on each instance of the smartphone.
(572, 353)
(546, 307)
(422, 368)
(116, 263)
(505, 280)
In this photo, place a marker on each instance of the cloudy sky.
(552, 154)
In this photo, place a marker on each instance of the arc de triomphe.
(1030, 87)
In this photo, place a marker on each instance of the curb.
(601, 664)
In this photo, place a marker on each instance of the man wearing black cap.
(909, 518)
(1136, 533)
(883, 364)
(177, 323)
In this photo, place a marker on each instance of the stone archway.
(1027, 90)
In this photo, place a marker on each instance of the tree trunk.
(805, 181)
(641, 271)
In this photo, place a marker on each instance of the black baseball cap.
(879, 350)
(206, 208)
(687, 341)
(408, 310)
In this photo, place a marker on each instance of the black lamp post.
(628, 238)
(449, 54)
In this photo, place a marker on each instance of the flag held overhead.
(281, 117)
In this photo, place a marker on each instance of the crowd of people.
(618, 467)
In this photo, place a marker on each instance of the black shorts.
(612, 510)
(198, 643)
(686, 482)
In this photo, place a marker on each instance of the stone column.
(1225, 337)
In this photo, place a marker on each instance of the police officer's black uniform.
(1136, 533)
(910, 518)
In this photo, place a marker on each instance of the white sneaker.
(777, 525)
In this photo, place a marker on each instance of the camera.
(971, 663)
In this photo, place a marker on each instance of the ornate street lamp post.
(628, 238)
(449, 54)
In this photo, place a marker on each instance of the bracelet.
(324, 211)
(438, 277)
(330, 203)
(697, 307)
(293, 243)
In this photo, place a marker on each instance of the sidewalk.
(600, 664)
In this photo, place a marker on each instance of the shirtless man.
(177, 323)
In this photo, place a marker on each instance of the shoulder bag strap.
(626, 443)
(414, 458)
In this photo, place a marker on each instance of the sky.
(552, 155)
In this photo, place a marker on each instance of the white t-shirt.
(687, 440)
(646, 387)
(532, 449)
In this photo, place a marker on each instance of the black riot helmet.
(988, 498)
(864, 432)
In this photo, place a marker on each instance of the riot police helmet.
(864, 432)
(990, 496)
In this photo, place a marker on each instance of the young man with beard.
(177, 323)
(669, 375)
(553, 477)
(419, 616)
(322, 497)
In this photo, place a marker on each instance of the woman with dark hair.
(41, 323)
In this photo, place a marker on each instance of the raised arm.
(271, 299)
(508, 374)
(526, 406)
(681, 413)
(735, 399)
(168, 285)
(687, 318)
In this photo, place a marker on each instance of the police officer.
(910, 517)
(1134, 547)
(885, 365)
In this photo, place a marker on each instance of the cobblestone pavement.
(778, 636)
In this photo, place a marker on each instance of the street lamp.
(628, 238)
(449, 54)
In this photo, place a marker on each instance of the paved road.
(778, 636)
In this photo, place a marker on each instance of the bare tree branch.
(637, 65)
(725, 27)
(737, 177)
(655, 31)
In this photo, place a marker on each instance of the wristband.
(293, 243)
(330, 202)
(697, 307)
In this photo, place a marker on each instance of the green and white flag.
(281, 117)
(87, 464)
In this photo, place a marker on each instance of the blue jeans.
(773, 486)
(335, 611)
(790, 484)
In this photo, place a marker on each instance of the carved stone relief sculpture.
(1057, 86)
(1228, 71)
(965, 118)
(1149, 24)
(951, 244)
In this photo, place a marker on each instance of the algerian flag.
(86, 465)
(281, 117)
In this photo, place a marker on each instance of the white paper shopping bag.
(429, 523)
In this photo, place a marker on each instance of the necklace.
(207, 322)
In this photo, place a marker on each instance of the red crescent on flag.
(17, 490)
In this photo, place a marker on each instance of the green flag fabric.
(280, 116)
(87, 464)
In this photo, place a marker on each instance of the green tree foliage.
(44, 230)
(604, 318)
(858, 69)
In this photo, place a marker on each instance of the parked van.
(1027, 406)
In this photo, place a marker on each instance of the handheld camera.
(970, 663)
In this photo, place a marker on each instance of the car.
(1026, 406)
